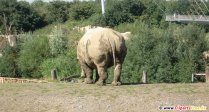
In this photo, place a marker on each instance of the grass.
(59, 96)
(97, 91)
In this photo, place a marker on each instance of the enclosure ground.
(75, 97)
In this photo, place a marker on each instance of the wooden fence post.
(54, 74)
(144, 77)
(192, 77)
(207, 74)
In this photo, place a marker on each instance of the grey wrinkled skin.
(101, 48)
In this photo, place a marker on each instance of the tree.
(57, 12)
(121, 12)
(179, 7)
(82, 10)
(21, 15)
(153, 13)
(40, 8)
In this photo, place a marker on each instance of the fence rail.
(188, 18)
(18, 80)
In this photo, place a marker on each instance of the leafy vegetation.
(19, 15)
(57, 12)
(121, 12)
(170, 55)
(8, 62)
(33, 51)
(168, 52)
(82, 11)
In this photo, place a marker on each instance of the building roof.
(188, 18)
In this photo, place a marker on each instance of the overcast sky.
(47, 0)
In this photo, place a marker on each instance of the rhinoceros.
(101, 48)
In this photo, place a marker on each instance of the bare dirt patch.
(68, 97)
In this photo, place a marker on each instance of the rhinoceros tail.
(112, 44)
(87, 52)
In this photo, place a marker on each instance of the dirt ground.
(75, 97)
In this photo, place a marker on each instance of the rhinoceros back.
(98, 42)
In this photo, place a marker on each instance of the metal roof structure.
(188, 18)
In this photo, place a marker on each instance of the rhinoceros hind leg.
(116, 83)
(83, 75)
(97, 76)
(88, 74)
(102, 71)
(117, 73)
(88, 81)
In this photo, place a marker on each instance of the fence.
(18, 80)
(205, 75)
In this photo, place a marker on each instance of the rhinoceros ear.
(205, 55)
(126, 35)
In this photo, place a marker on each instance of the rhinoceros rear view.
(101, 48)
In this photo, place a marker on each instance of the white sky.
(30, 1)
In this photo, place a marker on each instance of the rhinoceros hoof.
(100, 83)
(83, 76)
(88, 81)
(116, 83)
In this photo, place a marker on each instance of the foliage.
(57, 42)
(40, 8)
(66, 65)
(8, 66)
(179, 7)
(57, 12)
(82, 10)
(153, 14)
(20, 15)
(170, 55)
(33, 51)
(167, 52)
(62, 46)
(121, 12)
(185, 7)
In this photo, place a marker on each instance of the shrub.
(20, 15)
(8, 67)
(114, 18)
(57, 42)
(63, 50)
(57, 12)
(121, 12)
(33, 51)
(82, 10)
(41, 8)
(66, 65)
(170, 55)
(153, 14)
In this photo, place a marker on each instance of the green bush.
(57, 12)
(20, 15)
(114, 18)
(66, 65)
(153, 14)
(82, 10)
(34, 50)
(8, 67)
(41, 8)
(170, 55)
(120, 12)
(57, 41)
(179, 7)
